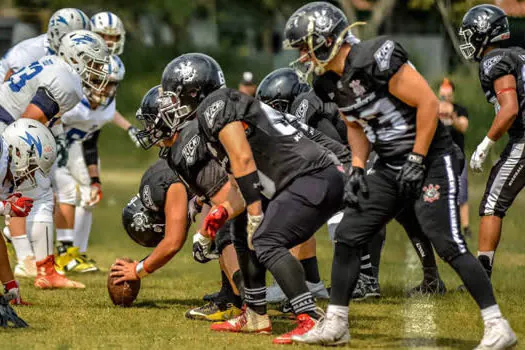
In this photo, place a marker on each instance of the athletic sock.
(345, 273)
(255, 299)
(254, 276)
(475, 279)
(487, 260)
(490, 313)
(65, 236)
(374, 248)
(311, 269)
(337, 310)
(226, 294)
(430, 273)
(40, 235)
(366, 265)
(304, 304)
(22, 247)
(83, 221)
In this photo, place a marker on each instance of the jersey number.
(18, 80)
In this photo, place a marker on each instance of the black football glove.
(355, 183)
(411, 176)
(62, 153)
(8, 316)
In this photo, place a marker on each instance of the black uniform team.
(292, 177)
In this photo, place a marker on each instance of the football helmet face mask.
(153, 129)
(482, 25)
(317, 30)
(115, 69)
(144, 226)
(280, 88)
(32, 149)
(186, 81)
(110, 27)
(87, 54)
(65, 21)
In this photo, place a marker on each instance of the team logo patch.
(147, 200)
(431, 193)
(190, 149)
(490, 63)
(300, 113)
(186, 71)
(482, 23)
(357, 88)
(211, 112)
(383, 54)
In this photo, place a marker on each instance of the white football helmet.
(87, 53)
(32, 148)
(115, 69)
(110, 27)
(64, 21)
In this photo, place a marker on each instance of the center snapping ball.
(123, 294)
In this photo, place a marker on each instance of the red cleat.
(248, 321)
(305, 322)
(48, 278)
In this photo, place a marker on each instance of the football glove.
(16, 205)
(202, 249)
(95, 195)
(480, 154)
(214, 221)
(62, 152)
(12, 293)
(132, 133)
(254, 221)
(8, 315)
(194, 208)
(355, 183)
(411, 176)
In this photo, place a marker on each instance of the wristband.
(95, 180)
(415, 158)
(140, 270)
(250, 187)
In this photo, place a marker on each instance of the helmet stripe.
(110, 19)
(83, 19)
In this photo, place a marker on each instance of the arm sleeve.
(44, 100)
(90, 149)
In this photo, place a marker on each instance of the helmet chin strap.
(321, 64)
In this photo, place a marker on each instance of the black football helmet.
(280, 88)
(144, 226)
(482, 26)
(186, 81)
(148, 115)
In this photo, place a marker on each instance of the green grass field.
(86, 319)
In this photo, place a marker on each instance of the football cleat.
(49, 278)
(248, 321)
(26, 267)
(332, 330)
(214, 312)
(367, 287)
(73, 261)
(211, 296)
(428, 287)
(497, 335)
(305, 323)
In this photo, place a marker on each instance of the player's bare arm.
(505, 88)
(34, 112)
(358, 144)
(404, 85)
(230, 197)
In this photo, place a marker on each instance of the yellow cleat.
(73, 261)
(214, 312)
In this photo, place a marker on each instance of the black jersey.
(323, 116)
(155, 184)
(189, 156)
(496, 64)
(362, 96)
(281, 152)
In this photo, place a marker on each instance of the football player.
(266, 155)
(482, 32)
(28, 51)
(47, 88)
(167, 188)
(376, 87)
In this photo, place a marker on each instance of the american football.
(328, 173)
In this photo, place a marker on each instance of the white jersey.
(24, 53)
(82, 121)
(49, 72)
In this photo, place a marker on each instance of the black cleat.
(211, 296)
(428, 287)
(367, 287)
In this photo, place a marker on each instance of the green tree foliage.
(456, 8)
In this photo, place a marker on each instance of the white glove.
(132, 133)
(95, 194)
(202, 249)
(253, 224)
(480, 154)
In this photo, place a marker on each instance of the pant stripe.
(452, 205)
(501, 178)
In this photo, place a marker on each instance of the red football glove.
(214, 221)
(16, 205)
(12, 293)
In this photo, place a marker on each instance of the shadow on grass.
(165, 303)
(390, 342)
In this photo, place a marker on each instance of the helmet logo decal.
(31, 141)
(294, 20)
(190, 149)
(187, 72)
(140, 222)
(60, 19)
(322, 22)
(383, 54)
(146, 198)
(84, 39)
(482, 23)
(300, 113)
(211, 112)
(490, 63)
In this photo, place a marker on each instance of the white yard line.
(419, 313)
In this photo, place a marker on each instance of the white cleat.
(26, 267)
(498, 335)
(330, 331)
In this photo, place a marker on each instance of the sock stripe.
(365, 257)
(301, 297)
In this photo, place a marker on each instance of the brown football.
(123, 294)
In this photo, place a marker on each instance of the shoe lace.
(211, 306)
